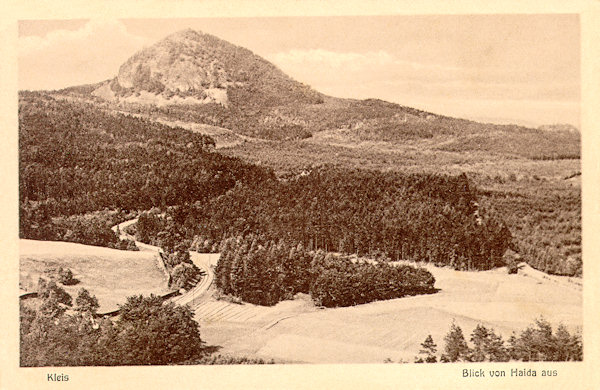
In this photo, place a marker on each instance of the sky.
(522, 69)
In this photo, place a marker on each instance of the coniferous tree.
(534, 343)
(456, 348)
(51, 289)
(239, 269)
(86, 303)
(223, 267)
(576, 347)
(495, 349)
(480, 341)
(429, 349)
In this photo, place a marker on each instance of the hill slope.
(196, 77)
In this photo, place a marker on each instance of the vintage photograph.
(401, 189)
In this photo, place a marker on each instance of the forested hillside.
(545, 220)
(76, 159)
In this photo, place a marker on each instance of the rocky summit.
(190, 67)
(194, 77)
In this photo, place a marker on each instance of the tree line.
(175, 249)
(266, 272)
(538, 342)
(89, 229)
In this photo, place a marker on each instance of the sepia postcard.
(286, 195)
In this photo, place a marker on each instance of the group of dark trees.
(420, 217)
(56, 332)
(534, 144)
(175, 253)
(536, 343)
(337, 281)
(545, 222)
(183, 273)
(262, 272)
(37, 224)
(265, 273)
(62, 275)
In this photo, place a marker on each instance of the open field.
(296, 331)
(223, 137)
(109, 274)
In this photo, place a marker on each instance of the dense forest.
(419, 217)
(76, 159)
(545, 221)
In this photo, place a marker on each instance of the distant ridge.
(195, 77)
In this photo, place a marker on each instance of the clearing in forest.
(110, 274)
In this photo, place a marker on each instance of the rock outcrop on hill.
(190, 67)
(198, 78)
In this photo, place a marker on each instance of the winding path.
(203, 261)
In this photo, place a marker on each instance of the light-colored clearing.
(109, 274)
(296, 331)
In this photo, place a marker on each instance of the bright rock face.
(182, 66)
(190, 67)
(181, 62)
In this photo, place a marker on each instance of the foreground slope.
(394, 329)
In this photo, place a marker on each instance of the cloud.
(352, 74)
(331, 59)
(525, 97)
(65, 58)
